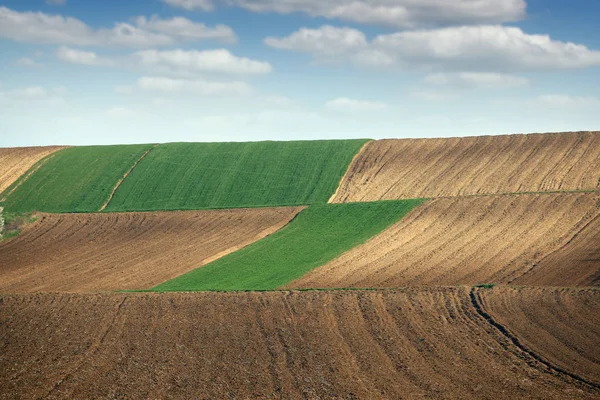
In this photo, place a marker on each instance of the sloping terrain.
(90, 252)
(425, 168)
(317, 235)
(180, 176)
(560, 325)
(577, 263)
(14, 162)
(470, 240)
(428, 343)
(77, 179)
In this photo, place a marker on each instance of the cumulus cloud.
(476, 48)
(219, 61)
(485, 80)
(37, 27)
(346, 104)
(204, 5)
(194, 86)
(75, 56)
(121, 112)
(27, 62)
(185, 29)
(34, 95)
(396, 13)
(568, 101)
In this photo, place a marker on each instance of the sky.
(82, 72)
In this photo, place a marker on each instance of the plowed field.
(429, 343)
(14, 162)
(580, 257)
(493, 239)
(561, 325)
(83, 252)
(417, 168)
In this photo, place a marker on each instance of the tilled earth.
(417, 168)
(14, 162)
(409, 343)
(121, 251)
(534, 239)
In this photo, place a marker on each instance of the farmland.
(76, 179)
(425, 268)
(182, 176)
(315, 236)
(15, 162)
(87, 252)
(470, 240)
(339, 344)
(415, 168)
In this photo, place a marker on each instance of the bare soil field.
(424, 168)
(14, 162)
(411, 343)
(561, 325)
(579, 256)
(471, 240)
(120, 251)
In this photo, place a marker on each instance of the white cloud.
(568, 101)
(124, 89)
(185, 29)
(431, 95)
(346, 104)
(33, 95)
(485, 80)
(37, 27)
(474, 48)
(27, 62)
(121, 112)
(205, 5)
(195, 86)
(219, 61)
(325, 42)
(74, 56)
(56, 2)
(396, 13)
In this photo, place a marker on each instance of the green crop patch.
(317, 235)
(76, 179)
(185, 176)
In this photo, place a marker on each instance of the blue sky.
(137, 71)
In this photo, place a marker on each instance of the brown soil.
(421, 343)
(471, 240)
(418, 168)
(561, 325)
(580, 257)
(87, 252)
(14, 162)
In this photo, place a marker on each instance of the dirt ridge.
(474, 293)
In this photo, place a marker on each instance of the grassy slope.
(77, 179)
(179, 176)
(316, 236)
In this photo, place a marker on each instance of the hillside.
(182, 176)
(317, 235)
(16, 161)
(91, 252)
(469, 240)
(418, 168)
(426, 343)
(561, 325)
(76, 179)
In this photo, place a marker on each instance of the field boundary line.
(358, 153)
(515, 341)
(120, 181)
(28, 174)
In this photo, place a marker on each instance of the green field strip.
(75, 179)
(193, 176)
(316, 236)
